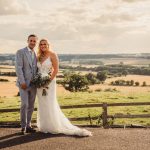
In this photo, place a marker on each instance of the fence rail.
(104, 116)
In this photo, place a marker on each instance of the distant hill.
(10, 58)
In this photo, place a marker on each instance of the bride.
(50, 118)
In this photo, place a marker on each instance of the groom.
(26, 67)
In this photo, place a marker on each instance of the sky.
(77, 26)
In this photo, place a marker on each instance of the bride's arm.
(55, 64)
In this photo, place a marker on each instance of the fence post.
(104, 115)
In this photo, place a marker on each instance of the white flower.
(44, 75)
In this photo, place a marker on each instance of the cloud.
(132, 1)
(13, 7)
(79, 26)
(114, 17)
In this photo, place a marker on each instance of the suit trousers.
(27, 105)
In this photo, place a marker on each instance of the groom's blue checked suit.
(26, 67)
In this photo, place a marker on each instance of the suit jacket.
(25, 68)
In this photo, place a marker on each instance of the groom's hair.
(32, 35)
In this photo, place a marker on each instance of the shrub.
(4, 80)
(98, 90)
(59, 81)
(144, 83)
(90, 91)
(110, 90)
(128, 83)
(137, 83)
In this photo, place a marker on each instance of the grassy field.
(89, 98)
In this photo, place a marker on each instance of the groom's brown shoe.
(30, 130)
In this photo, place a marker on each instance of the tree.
(67, 73)
(132, 82)
(125, 72)
(91, 78)
(112, 83)
(102, 76)
(117, 82)
(75, 82)
(121, 63)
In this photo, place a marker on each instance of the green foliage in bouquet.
(41, 81)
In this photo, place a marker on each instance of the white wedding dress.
(50, 118)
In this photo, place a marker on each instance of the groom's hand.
(23, 86)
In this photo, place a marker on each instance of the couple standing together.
(50, 118)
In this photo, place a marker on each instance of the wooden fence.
(104, 116)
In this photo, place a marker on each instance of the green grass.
(89, 98)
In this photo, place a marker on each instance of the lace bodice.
(45, 67)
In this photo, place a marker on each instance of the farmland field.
(98, 93)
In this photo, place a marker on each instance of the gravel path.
(102, 139)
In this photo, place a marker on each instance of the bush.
(114, 89)
(122, 82)
(117, 82)
(59, 81)
(128, 83)
(90, 91)
(98, 90)
(137, 83)
(110, 90)
(144, 84)
(4, 80)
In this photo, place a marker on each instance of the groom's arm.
(19, 67)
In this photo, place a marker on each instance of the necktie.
(32, 55)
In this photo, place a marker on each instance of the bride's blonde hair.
(40, 53)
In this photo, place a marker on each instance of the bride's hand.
(24, 86)
(51, 78)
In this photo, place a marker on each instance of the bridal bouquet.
(41, 80)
